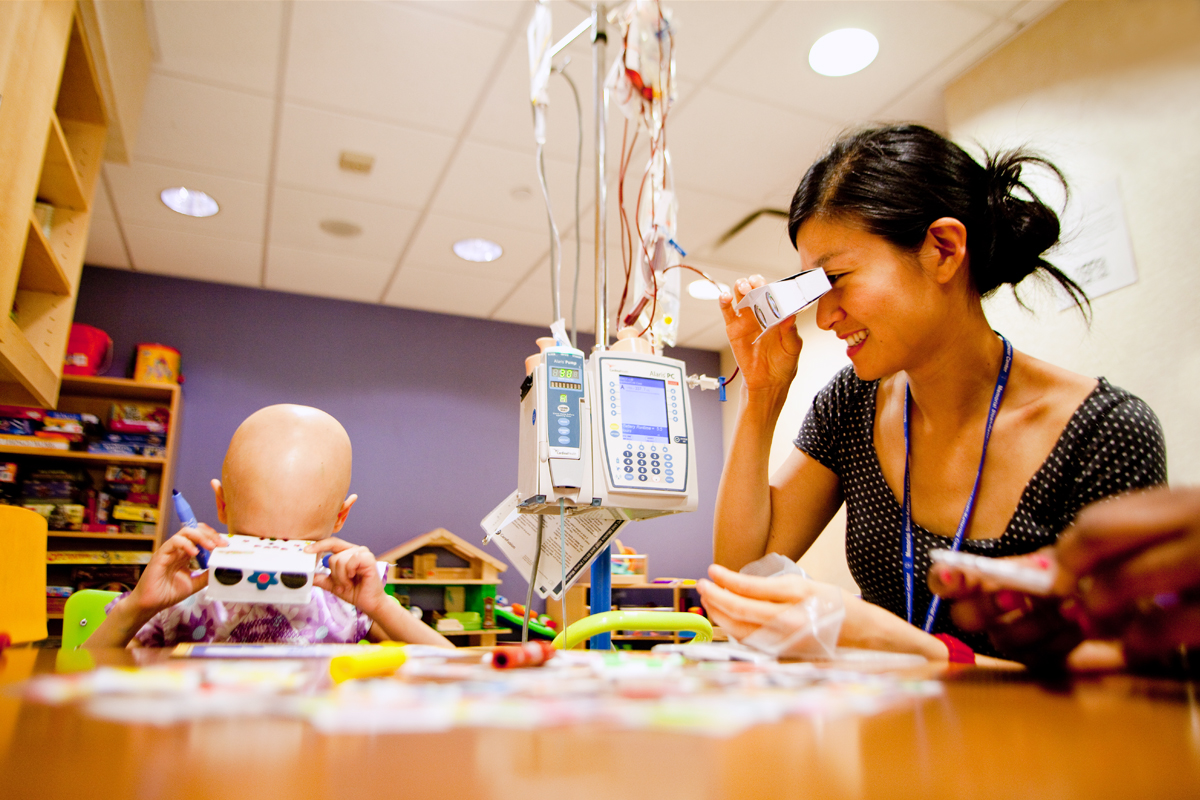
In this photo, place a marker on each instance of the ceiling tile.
(499, 15)
(389, 62)
(705, 31)
(407, 161)
(500, 186)
(136, 189)
(704, 218)
(761, 247)
(231, 43)
(741, 148)
(104, 245)
(296, 217)
(433, 290)
(431, 249)
(914, 37)
(187, 255)
(923, 102)
(195, 126)
(101, 204)
(325, 274)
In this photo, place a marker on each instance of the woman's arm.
(757, 513)
(754, 513)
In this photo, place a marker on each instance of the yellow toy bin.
(156, 363)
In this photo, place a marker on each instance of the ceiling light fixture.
(188, 202)
(843, 52)
(340, 227)
(477, 250)
(704, 290)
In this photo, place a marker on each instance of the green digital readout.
(558, 372)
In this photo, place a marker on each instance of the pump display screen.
(643, 410)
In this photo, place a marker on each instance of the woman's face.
(884, 304)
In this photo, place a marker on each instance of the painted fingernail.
(1008, 600)
(947, 576)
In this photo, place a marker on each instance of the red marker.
(530, 654)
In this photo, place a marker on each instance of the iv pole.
(601, 569)
(601, 599)
(602, 566)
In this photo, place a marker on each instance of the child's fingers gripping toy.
(254, 570)
(777, 301)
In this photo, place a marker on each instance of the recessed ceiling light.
(479, 250)
(340, 227)
(189, 202)
(356, 162)
(704, 290)
(843, 52)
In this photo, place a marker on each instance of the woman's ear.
(944, 250)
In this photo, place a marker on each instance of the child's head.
(286, 475)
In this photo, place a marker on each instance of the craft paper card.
(777, 301)
(254, 570)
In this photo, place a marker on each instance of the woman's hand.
(353, 576)
(168, 578)
(1037, 631)
(769, 363)
(741, 604)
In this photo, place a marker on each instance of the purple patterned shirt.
(325, 620)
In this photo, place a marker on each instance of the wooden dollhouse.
(450, 579)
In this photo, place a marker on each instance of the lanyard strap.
(906, 507)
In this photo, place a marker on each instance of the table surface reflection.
(991, 734)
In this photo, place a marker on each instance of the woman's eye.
(833, 278)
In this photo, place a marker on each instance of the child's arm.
(166, 581)
(353, 577)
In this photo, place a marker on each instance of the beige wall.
(1111, 90)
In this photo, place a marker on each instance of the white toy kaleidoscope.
(254, 570)
(777, 301)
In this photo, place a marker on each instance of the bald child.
(285, 476)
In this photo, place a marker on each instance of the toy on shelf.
(450, 578)
(629, 567)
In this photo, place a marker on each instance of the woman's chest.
(948, 468)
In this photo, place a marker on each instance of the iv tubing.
(537, 557)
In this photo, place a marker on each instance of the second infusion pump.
(636, 451)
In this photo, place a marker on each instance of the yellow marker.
(373, 663)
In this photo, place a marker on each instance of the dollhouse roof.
(440, 537)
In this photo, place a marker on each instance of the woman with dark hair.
(939, 435)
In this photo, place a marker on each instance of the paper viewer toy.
(777, 301)
(254, 570)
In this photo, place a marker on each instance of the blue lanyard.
(906, 508)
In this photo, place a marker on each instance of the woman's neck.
(952, 385)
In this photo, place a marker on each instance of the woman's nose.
(829, 311)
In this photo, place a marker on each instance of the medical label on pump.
(564, 390)
(643, 404)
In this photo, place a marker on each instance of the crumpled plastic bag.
(809, 629)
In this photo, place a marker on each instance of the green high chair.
(605, 621)
(82, 614)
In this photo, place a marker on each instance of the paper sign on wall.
(1096, 251)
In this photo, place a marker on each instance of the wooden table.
(992, 734)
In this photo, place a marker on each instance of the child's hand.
(168, 578)
(352, 575)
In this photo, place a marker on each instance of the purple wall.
(429, 400)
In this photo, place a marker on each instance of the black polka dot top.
(1113, 443)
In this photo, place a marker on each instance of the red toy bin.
(89, 351)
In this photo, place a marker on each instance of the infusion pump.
(612, 432)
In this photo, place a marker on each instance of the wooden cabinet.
(53, 128)
(67, 550)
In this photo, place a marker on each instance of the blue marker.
(188, 518)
